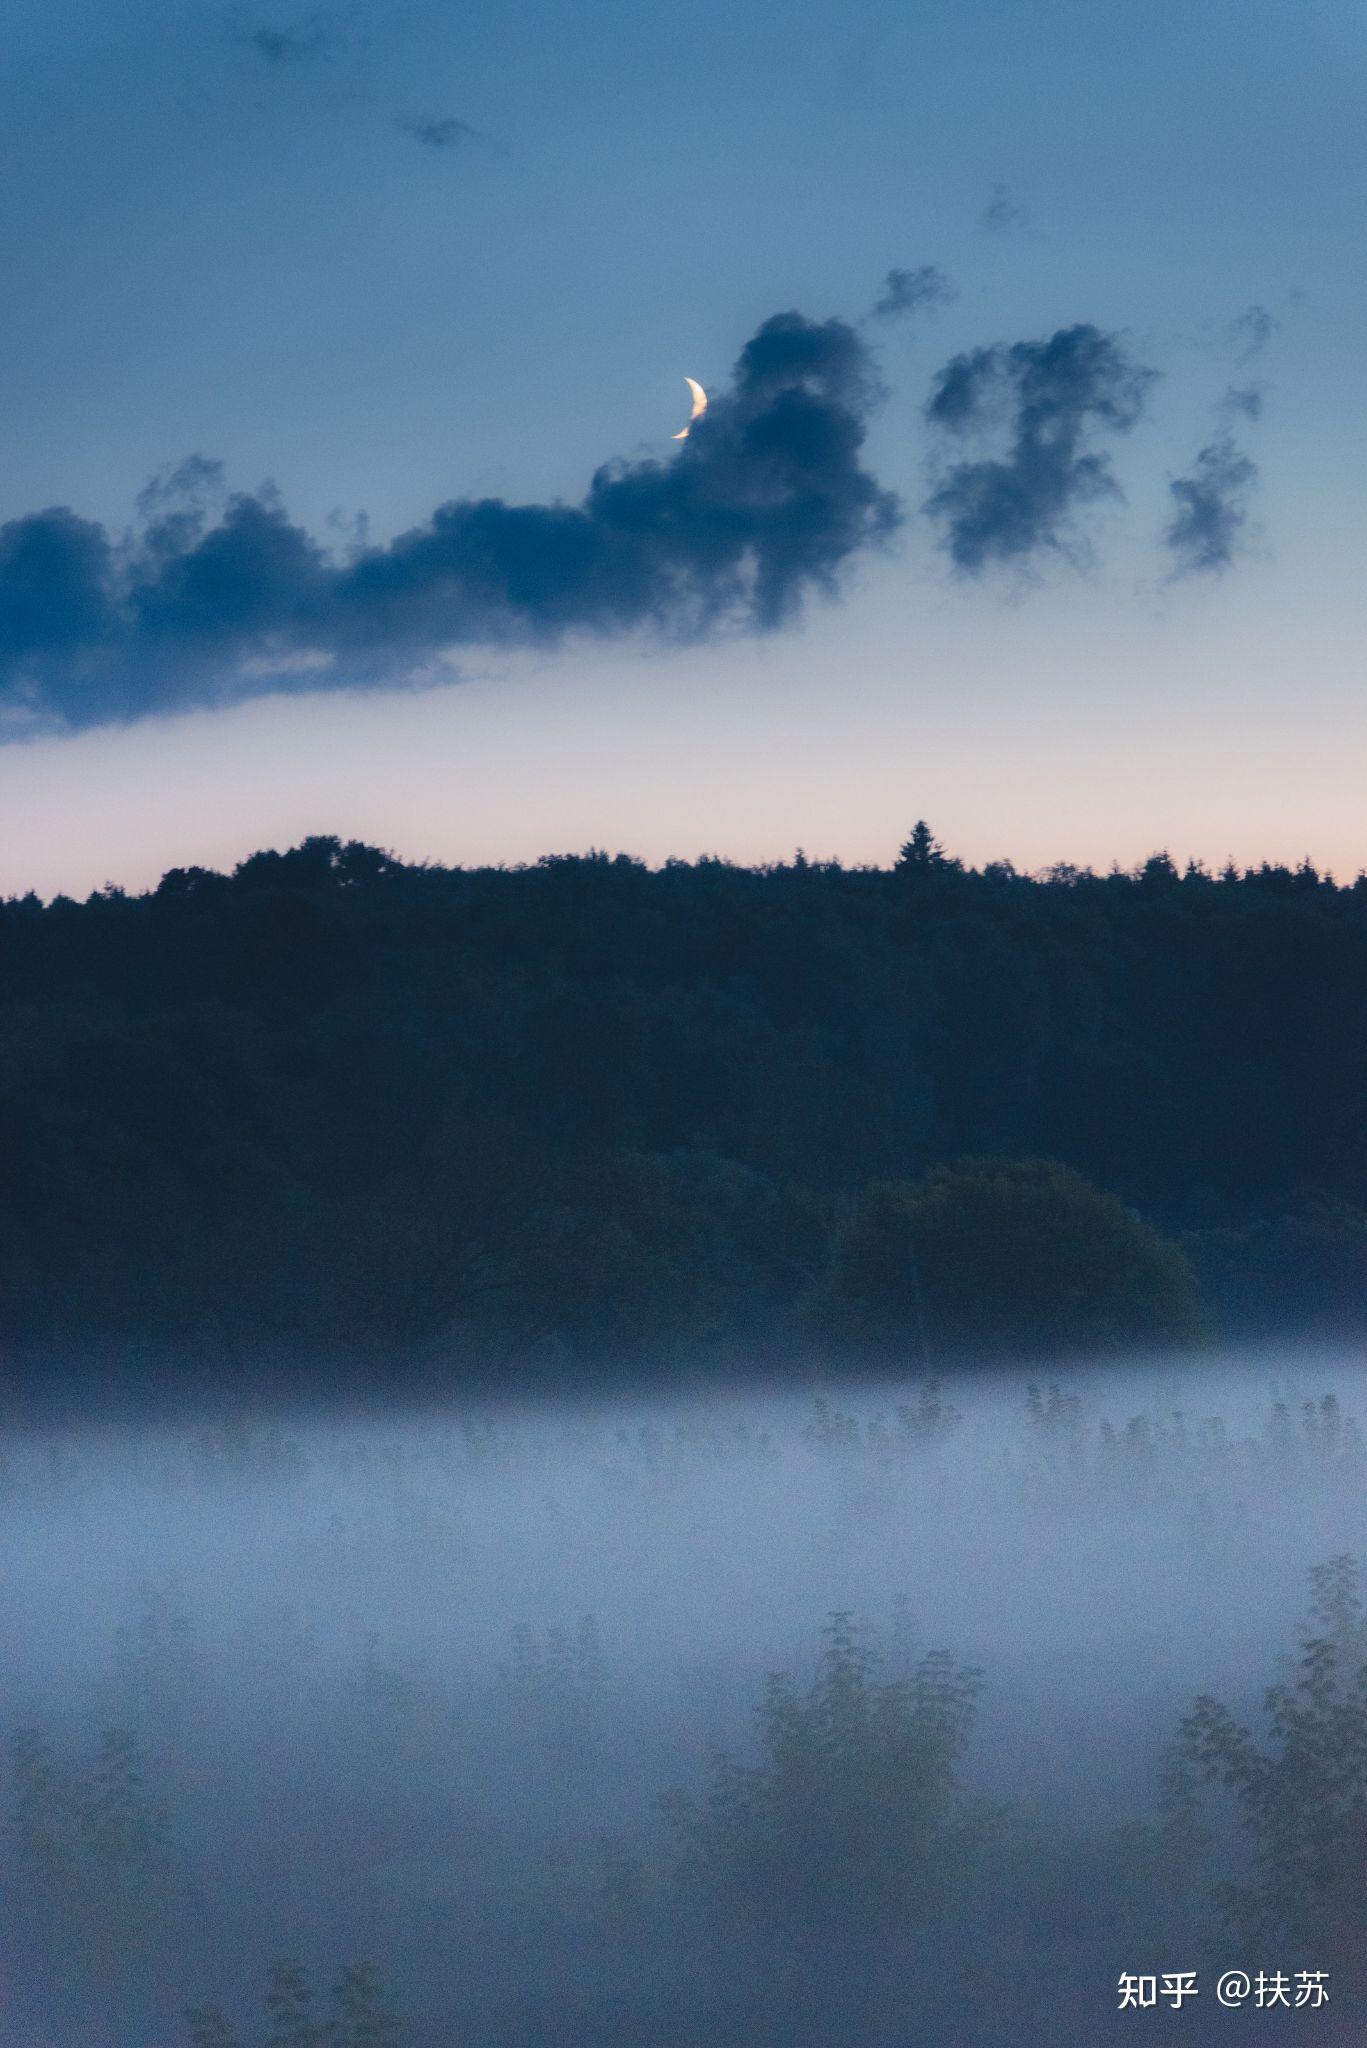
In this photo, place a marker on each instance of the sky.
(344, 349)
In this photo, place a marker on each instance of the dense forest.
(548, 1119)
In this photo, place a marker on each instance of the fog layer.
(485, 1697)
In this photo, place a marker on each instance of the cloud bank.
(215, 597)
(1050, 399)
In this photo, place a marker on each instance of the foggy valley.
(481, 1697)
(683, 1115)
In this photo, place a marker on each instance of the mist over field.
(482, 1696)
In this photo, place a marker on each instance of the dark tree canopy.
(340, 1105)
(999, 1258)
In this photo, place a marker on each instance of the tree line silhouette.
(337, 1105)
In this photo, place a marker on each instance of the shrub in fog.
(852, 1811)
(554, 1675)
(360, 2017)
(94, 1866)
(1300, 1793)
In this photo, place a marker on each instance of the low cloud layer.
(216, 597)
(1049, 401)
(1210, 509)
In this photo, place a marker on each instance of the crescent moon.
(699, 407)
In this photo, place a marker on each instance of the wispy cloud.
(285, 45)
(1003, 212)
(1242, 402)
(1252, 331)
(446, 133)
(911, 291)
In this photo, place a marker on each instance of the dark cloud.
(284, 45)
(1210, 515)
(765, 503)
(907, 291)
(1050, 399)
(448, 133)
(1002, 212)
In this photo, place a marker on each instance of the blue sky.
(265, 237)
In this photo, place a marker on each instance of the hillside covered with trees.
(554, 1118)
